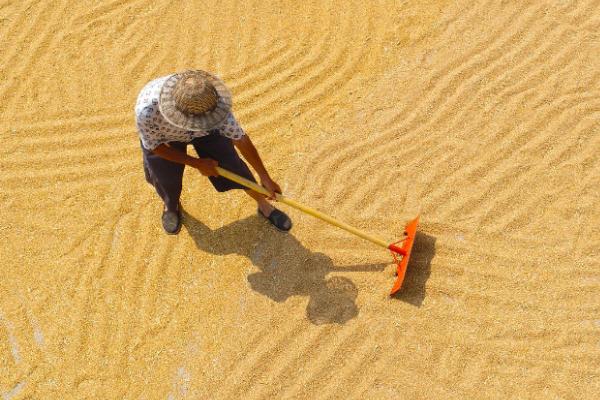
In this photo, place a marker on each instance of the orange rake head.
(401, 254)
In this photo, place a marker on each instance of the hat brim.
(192, 122)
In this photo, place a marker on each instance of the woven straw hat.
(194, 100)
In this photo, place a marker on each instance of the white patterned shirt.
(154, 129)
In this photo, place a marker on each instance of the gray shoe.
(171, 221)
(278, 219)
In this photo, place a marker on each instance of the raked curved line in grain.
(517, 141)
(278, 75)
(363, 161)
(162, 260)
(68, 174)
(330, 74)
(444, 105)
(279, 360)
(103, 16)
(9, 33)
(108, 149)
(130, 280)
(464, 110)
(259, 62)
(501, 209)
(348, 151)
(139, 63)
(320, 365)
(434, 78)
(106, 279)
(106, 286)
(363, 357)
(261, 68)
(511, 146)
(472, 172)
(139, 275)
(523, 81)
(83, 316)
(430, 122)
(28, 22)
(268, 349)
(274, 72)
(9, 89)
(254, 345)
(313, 349)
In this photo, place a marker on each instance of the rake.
(400, 249)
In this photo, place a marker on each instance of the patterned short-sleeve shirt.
(154, 129)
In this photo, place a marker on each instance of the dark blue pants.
(167, 176)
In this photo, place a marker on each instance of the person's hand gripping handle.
(206, 166)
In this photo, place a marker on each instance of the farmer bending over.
(194, 107)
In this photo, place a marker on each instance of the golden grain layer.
(482, 115)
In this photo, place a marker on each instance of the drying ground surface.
(483, 116)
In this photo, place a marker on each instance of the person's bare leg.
(263, 204)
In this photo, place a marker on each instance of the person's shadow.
(287, 268)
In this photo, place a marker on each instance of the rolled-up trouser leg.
(166, 176)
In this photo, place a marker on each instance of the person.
(194, 107)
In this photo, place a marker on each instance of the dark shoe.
(171, 221)
(278, 219)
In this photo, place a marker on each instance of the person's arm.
(206, 166)
(249, 152)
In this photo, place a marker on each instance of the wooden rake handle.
(308, 210)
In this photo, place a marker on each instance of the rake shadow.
(418, 270)
(286, 267)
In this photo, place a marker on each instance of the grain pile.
(482, 115)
